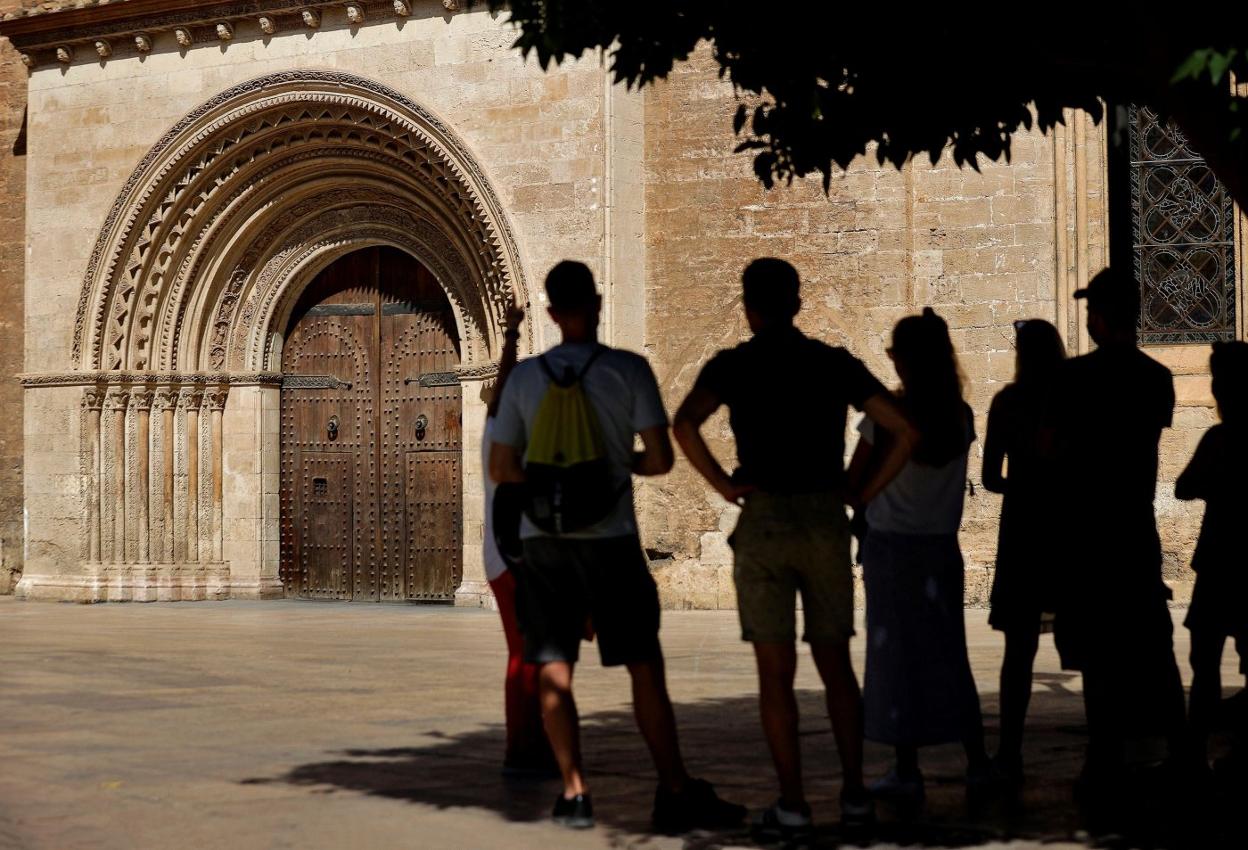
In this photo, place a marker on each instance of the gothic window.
(1183, 230)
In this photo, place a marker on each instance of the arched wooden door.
(371, 508)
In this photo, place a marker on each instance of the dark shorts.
(565, 584)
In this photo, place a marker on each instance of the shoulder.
(626, 362)
(1004, 400)
(1158, 371)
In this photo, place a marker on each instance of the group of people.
(566, 563)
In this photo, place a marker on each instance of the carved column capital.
(191, 399)
(165, 400)
(93, 398)
(214, 399)
(117, 399)
(141, 398)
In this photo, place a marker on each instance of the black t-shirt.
(788, 397)
(1217, 473)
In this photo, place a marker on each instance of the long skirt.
(918, 688)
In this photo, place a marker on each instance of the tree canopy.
(825, 86)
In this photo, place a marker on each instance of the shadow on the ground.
(722, 743)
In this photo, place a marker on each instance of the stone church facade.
(262, 252)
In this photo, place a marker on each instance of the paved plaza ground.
(306, 725)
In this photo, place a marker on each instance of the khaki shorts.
(790, 544)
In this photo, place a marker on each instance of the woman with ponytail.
(918, 686)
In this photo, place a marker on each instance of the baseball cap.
(1113, 294)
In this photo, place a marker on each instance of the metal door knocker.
(422, 424)
(333, 428)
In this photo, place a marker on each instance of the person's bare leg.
(844, 707)
(562, 724)
(1016, 673)
(777, 708)
(652, 708)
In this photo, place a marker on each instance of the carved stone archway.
(188, 292)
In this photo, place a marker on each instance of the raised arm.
(885, 413)
(506, 464)
(507, 362)
(694, 411)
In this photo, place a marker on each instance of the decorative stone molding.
(143, 42)
(103, 49)
(188, 186)
(225, 31)
(40, 35)
(152, 379)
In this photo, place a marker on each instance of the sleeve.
(859, 383)
(508, 426)
(648, 410)
(716, 376)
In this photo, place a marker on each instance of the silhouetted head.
(771, 292)
(1038, 350)
(574, 302)
(1229, 365)
(931, 385)
(1113, 307)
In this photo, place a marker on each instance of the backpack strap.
(550, 373)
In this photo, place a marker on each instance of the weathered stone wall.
(983, 248)
(12, 295)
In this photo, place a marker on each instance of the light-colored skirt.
(918, 687)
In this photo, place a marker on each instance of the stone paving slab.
(241, 725)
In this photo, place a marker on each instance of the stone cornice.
(128, 27)
(153, 379)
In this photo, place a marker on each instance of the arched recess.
(241, 202)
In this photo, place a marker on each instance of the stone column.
(215, 400)
(166, 402)
(141, 398)
(92, 403)
(191, 400)
(117, 401)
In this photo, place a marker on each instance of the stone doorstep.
(157, 582)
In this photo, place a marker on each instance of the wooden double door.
(371, 506)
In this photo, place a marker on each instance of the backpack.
(566, 469)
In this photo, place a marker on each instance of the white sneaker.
(778, 823)
(893, 787)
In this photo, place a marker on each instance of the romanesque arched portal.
(192, 284)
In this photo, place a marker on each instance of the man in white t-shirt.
(598, 573)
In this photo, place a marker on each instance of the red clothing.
(526, 739)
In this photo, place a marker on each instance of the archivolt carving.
(170, 258)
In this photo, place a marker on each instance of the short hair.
(570, 287)
(1229, 365)
(771, 288)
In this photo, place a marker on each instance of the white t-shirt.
(495, 566)
(921, 499)
(622, 390)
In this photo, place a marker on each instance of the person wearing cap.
(1106, 415)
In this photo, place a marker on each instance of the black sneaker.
(575, 813)
(696, 807)
(857, 809)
